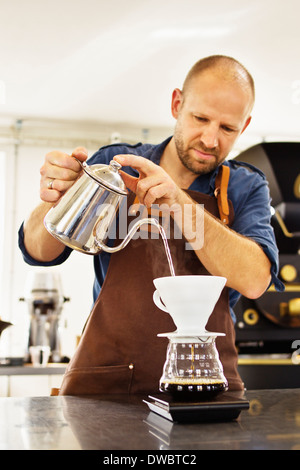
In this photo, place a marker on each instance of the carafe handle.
(158, 302)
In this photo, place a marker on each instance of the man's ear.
(177, 100)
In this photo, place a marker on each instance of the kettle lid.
(107, 176)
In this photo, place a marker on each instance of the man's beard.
(197, 167)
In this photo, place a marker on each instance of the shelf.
(267, 359)
(28, 369)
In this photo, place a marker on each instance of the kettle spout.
(129, 236)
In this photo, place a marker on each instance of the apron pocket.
(97, 380)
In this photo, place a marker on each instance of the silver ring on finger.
(50, 184)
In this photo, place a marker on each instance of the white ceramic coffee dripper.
(189, 300)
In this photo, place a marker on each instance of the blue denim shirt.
(248, 191)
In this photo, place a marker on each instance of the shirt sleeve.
(253, 217)
(33, 262)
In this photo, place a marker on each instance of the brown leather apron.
(119, 351)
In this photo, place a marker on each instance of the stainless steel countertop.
(49, 423)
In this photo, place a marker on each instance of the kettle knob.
(115, 165)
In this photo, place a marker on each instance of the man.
(212, 110)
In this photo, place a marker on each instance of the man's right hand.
(59, 172)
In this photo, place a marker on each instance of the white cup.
(189, 300)
(39, 355)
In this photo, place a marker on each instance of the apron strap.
(221, 186)
(220, 193)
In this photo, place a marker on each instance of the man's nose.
(209, 137)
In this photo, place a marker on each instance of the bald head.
(225, 67)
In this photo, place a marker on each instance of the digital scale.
(223, 407)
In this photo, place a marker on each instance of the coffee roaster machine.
(268, 328)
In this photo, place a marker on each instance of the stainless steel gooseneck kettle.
(83, 216)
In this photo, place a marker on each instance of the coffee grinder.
(44, 299)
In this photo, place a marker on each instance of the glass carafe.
(192, 370)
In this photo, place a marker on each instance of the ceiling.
(118, 61)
